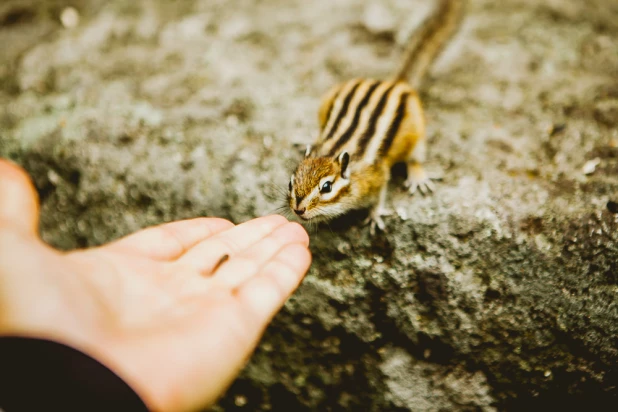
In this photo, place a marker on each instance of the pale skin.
(152, 306)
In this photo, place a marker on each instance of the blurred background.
(497, 292)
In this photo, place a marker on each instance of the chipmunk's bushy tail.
(428, 40)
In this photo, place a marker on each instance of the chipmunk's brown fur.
(366, 126)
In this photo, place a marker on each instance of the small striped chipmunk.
(367, 126)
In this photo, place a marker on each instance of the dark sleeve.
(41, 375)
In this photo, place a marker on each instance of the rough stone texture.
(498, 292)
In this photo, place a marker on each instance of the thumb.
(19, 203)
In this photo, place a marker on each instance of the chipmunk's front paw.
(375, 220)
(418, 179)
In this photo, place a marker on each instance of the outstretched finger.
(263, 295)
(206, 255)
(250, 261)
(19, 203)
(169, 241)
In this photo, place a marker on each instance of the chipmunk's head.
(318, 185)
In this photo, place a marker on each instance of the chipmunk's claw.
(374, 220)
(419, 180)
(424, 187)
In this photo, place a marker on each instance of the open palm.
(158, 306)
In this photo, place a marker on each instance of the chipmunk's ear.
(344, 161)
(303, 148)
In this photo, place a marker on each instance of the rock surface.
(498, 292)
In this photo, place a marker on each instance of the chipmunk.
(367, 126)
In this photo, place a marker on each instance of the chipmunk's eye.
(290, 186)
(326, 187)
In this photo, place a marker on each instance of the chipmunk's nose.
(300, 212)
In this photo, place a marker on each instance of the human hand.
(152, 306)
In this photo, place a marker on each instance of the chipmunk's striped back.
(364, 117)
